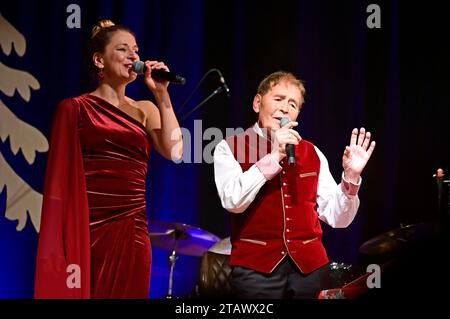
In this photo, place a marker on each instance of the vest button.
(284, 184)
(287, 230)
(286, 195)
(286, 206)
(282, 252)
(288, 240)
(288, 219)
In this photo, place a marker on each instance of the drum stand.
(179, 239)
(172, 259)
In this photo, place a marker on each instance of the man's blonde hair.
(273, 79)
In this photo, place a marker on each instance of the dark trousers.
(285, 282)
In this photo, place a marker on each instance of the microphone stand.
(443, 203)
(216, 91)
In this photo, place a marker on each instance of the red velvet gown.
(94, 210)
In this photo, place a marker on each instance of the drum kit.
(179, 238)
(396, 240)
(400, 239)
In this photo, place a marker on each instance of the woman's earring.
(100, 73)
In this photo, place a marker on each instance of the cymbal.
(222, 247)
(395, 240)
(183, 238)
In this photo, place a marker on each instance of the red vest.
(282, 220)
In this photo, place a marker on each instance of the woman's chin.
(129, 77)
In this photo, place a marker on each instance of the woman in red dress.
(94, 241)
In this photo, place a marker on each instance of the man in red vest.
(275, 206)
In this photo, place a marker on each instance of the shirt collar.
(258, 130)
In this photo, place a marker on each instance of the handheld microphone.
(290, 152)
(140, 68)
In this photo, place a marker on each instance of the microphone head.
(289, 147)
(285, 121)
(139, 67)
(225, 86)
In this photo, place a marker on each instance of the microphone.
(140, 68)
(224, 84)
(290, 152)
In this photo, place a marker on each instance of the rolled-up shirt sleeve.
(337, 204)
(238, 189)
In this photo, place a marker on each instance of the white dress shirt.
(337, 204)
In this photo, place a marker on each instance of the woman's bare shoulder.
(150, 110)
(146, 105)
